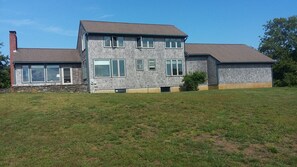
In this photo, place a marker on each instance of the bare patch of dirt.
(219, 142)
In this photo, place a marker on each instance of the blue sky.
(54, 23)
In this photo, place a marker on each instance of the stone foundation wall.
(50, 88)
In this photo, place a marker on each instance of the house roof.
(38, 55)
(228, 53)
(131, 28)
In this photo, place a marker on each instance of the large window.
(139, 65)
(145, 42)
(102, 68)
(107, 68)
(37, 73)
(173, 43)
(25, 74)
(53, 73)
(174, 68)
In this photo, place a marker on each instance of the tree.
(192, 80)
(280, 43)
(4, 70)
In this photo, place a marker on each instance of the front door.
(67, 75)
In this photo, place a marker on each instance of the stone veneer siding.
(49, 88)
(76, 75)
(134, 79)
(244, 73)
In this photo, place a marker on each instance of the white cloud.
(106, 16)
(59, 30)
(38, 26)
(20, 22)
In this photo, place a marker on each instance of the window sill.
(145, 48)
(174, 48)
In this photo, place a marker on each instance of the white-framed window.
(107, 41)
(173, 43)
(113, 41)
(37, 73)
(102, 68)
(67, 75)
(109, 68)
(52, 73)
(174, 67)
(139, 65)
(152, 64)
(143, 42)
(25, 73)
(117, 41)
(83, 42)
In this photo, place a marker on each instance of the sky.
(54, 23)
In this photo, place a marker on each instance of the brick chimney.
(13, 43)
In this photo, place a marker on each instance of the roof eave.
(132, 34)
(46, 62)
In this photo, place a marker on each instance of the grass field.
(256, 127)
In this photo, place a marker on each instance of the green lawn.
(256, 127)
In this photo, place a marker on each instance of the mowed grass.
(255, 127)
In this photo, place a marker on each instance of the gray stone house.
(137, 58)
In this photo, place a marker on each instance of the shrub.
(192, 80)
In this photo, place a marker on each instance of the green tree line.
(280, 43)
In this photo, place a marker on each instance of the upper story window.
(145, 42)
(117, 41)
(107, 41)
(113, 41)
(173, 43)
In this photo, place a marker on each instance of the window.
(53, 73)
(145, 42)
(25, 73)
(37, 73)
(107, 41)
(102, 68)
(67, 75)
(83, 42)
(152, 64)
(117, 41)
(139, 65)
(173, 43)
(107, 68)
(174, 67)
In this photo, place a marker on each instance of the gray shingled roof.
(131, 28)
(228, 53)
(37, 55)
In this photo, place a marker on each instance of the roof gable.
(131, 28)
(228, 53)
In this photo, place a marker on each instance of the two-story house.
(137, 58)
